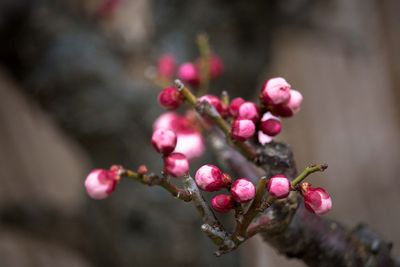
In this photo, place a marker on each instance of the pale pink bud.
(234, 106)
(166, 66)
(243, 190)
(248, 110)
(191, 145)
(291, 107)
(209, 178)
(164, 140)
(213, 101)
(242, 129)
(189, 73)
(170, 98)
(222, 203)
(190, 141)
(101, 183)
(176, 164)
(263, 138)
(279, 186)
(316, 200)
(275, 91)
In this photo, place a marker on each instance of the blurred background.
(73, 96)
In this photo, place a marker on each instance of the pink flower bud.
(263, 138)
(234, 106)
(242, 129)
(101, 183)
(170, 98)
(190, 141)
(316, 200)
(164, 140)
(275, 91)
(291, 107)
(166, 66)
(189, 73)
(176, 164)
(209, 178)
(271, 127)
(216, 66)
(243, 190)
(213, 101)
(191, 145)
(279, 186)
(248, 110)
(222, 203)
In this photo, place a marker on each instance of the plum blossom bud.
(271, 127)
(234, 106)
(213, 101)
(170, 98)
(242, 129)
(166, 66)
(275, 91)
(222, 203)
(101, 183)
(248, 110)
(279, 186)
(264, 138)
(291, 107)
(209, 178)
(176, 164)
(216, 66)
(189, 73)
(316, 200)
(190, 141)
(243, 190)
(164, 140)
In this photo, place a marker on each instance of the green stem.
(205, 54)
(307, 171)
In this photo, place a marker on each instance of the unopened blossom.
(164, 140)
(166, 66)
(222, 203)
(216, 66)
(101, 183)
(209, 178)
(270, 125)
(291, 107)
(275, 91)
(248, 110)
(170, 98)
(234, 106)
(279, 186)
(243, 190)
(176, 164)
(215, 102)
(190, 141)
(316, 200)
(242, 129)
(189, 73)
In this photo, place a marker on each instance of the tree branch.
(297, 233)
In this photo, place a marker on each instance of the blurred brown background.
(73, 96)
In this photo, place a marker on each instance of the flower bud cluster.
(188, 72)
(210, 178)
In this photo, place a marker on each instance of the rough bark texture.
(316, 240)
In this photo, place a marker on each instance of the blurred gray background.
(73, 96)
